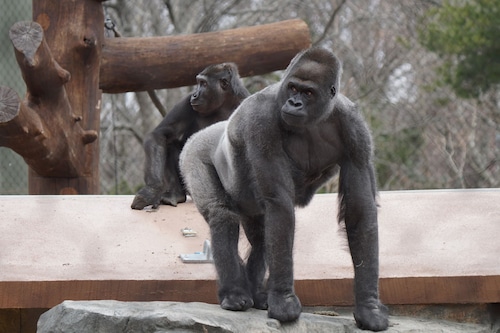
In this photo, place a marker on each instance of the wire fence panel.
(13, 169)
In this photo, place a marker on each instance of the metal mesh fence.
(13, 169)
(425, 136)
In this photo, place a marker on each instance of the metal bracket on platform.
(199, 257)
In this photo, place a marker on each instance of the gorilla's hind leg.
(175, 193)
(256, 263)
(216, 206)
(234, 288)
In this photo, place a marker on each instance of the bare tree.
(425, 136)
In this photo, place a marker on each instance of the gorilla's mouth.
(293, 114)
(198, 107)
(292, 119)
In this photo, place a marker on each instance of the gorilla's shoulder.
(256, 108)
(263, 99)
(345, 105)
(354, 131)
(181, 109)
(270, 91)
(347, 111)
(255, 116)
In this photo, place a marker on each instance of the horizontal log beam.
(141, 64)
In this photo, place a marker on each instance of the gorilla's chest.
(315, 151)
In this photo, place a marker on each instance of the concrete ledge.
(435, 247)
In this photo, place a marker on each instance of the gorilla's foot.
(374, 317)
(173, 199)
(260, 300)
(284, 307)
(236, 301)
(145, 197)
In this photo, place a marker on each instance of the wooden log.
(43, 128)
(74, 32)
(141, 64)
(24, 131)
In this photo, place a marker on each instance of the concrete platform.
(436, 247)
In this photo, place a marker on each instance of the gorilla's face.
(209, 94)
(307, 94)
(214, 88)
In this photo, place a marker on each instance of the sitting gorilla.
(273, 153)
(218, 93)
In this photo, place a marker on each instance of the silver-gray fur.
(273, 153)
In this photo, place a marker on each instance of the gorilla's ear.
(227, 81)
(333, 91)
(224, 83)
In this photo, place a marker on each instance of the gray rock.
(160, 317)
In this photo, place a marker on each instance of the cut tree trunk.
(141, 64)
(42, 128)
(56, 126)
(74, 31)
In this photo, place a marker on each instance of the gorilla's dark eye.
(293, 89)
(309, 93)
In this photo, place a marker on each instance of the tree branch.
(330, 22)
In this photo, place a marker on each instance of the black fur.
(218, 93)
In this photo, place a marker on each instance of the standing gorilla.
(218, 93)
(272, 154)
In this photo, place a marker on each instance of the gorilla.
(273, 153)
(218, 92)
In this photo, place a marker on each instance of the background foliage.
(465, 35)
(424, 73)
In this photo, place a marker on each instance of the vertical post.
(74, 31)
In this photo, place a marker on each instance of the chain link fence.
(425, 136)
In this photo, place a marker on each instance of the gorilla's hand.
(145, 197)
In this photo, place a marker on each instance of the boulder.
(159, 317)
